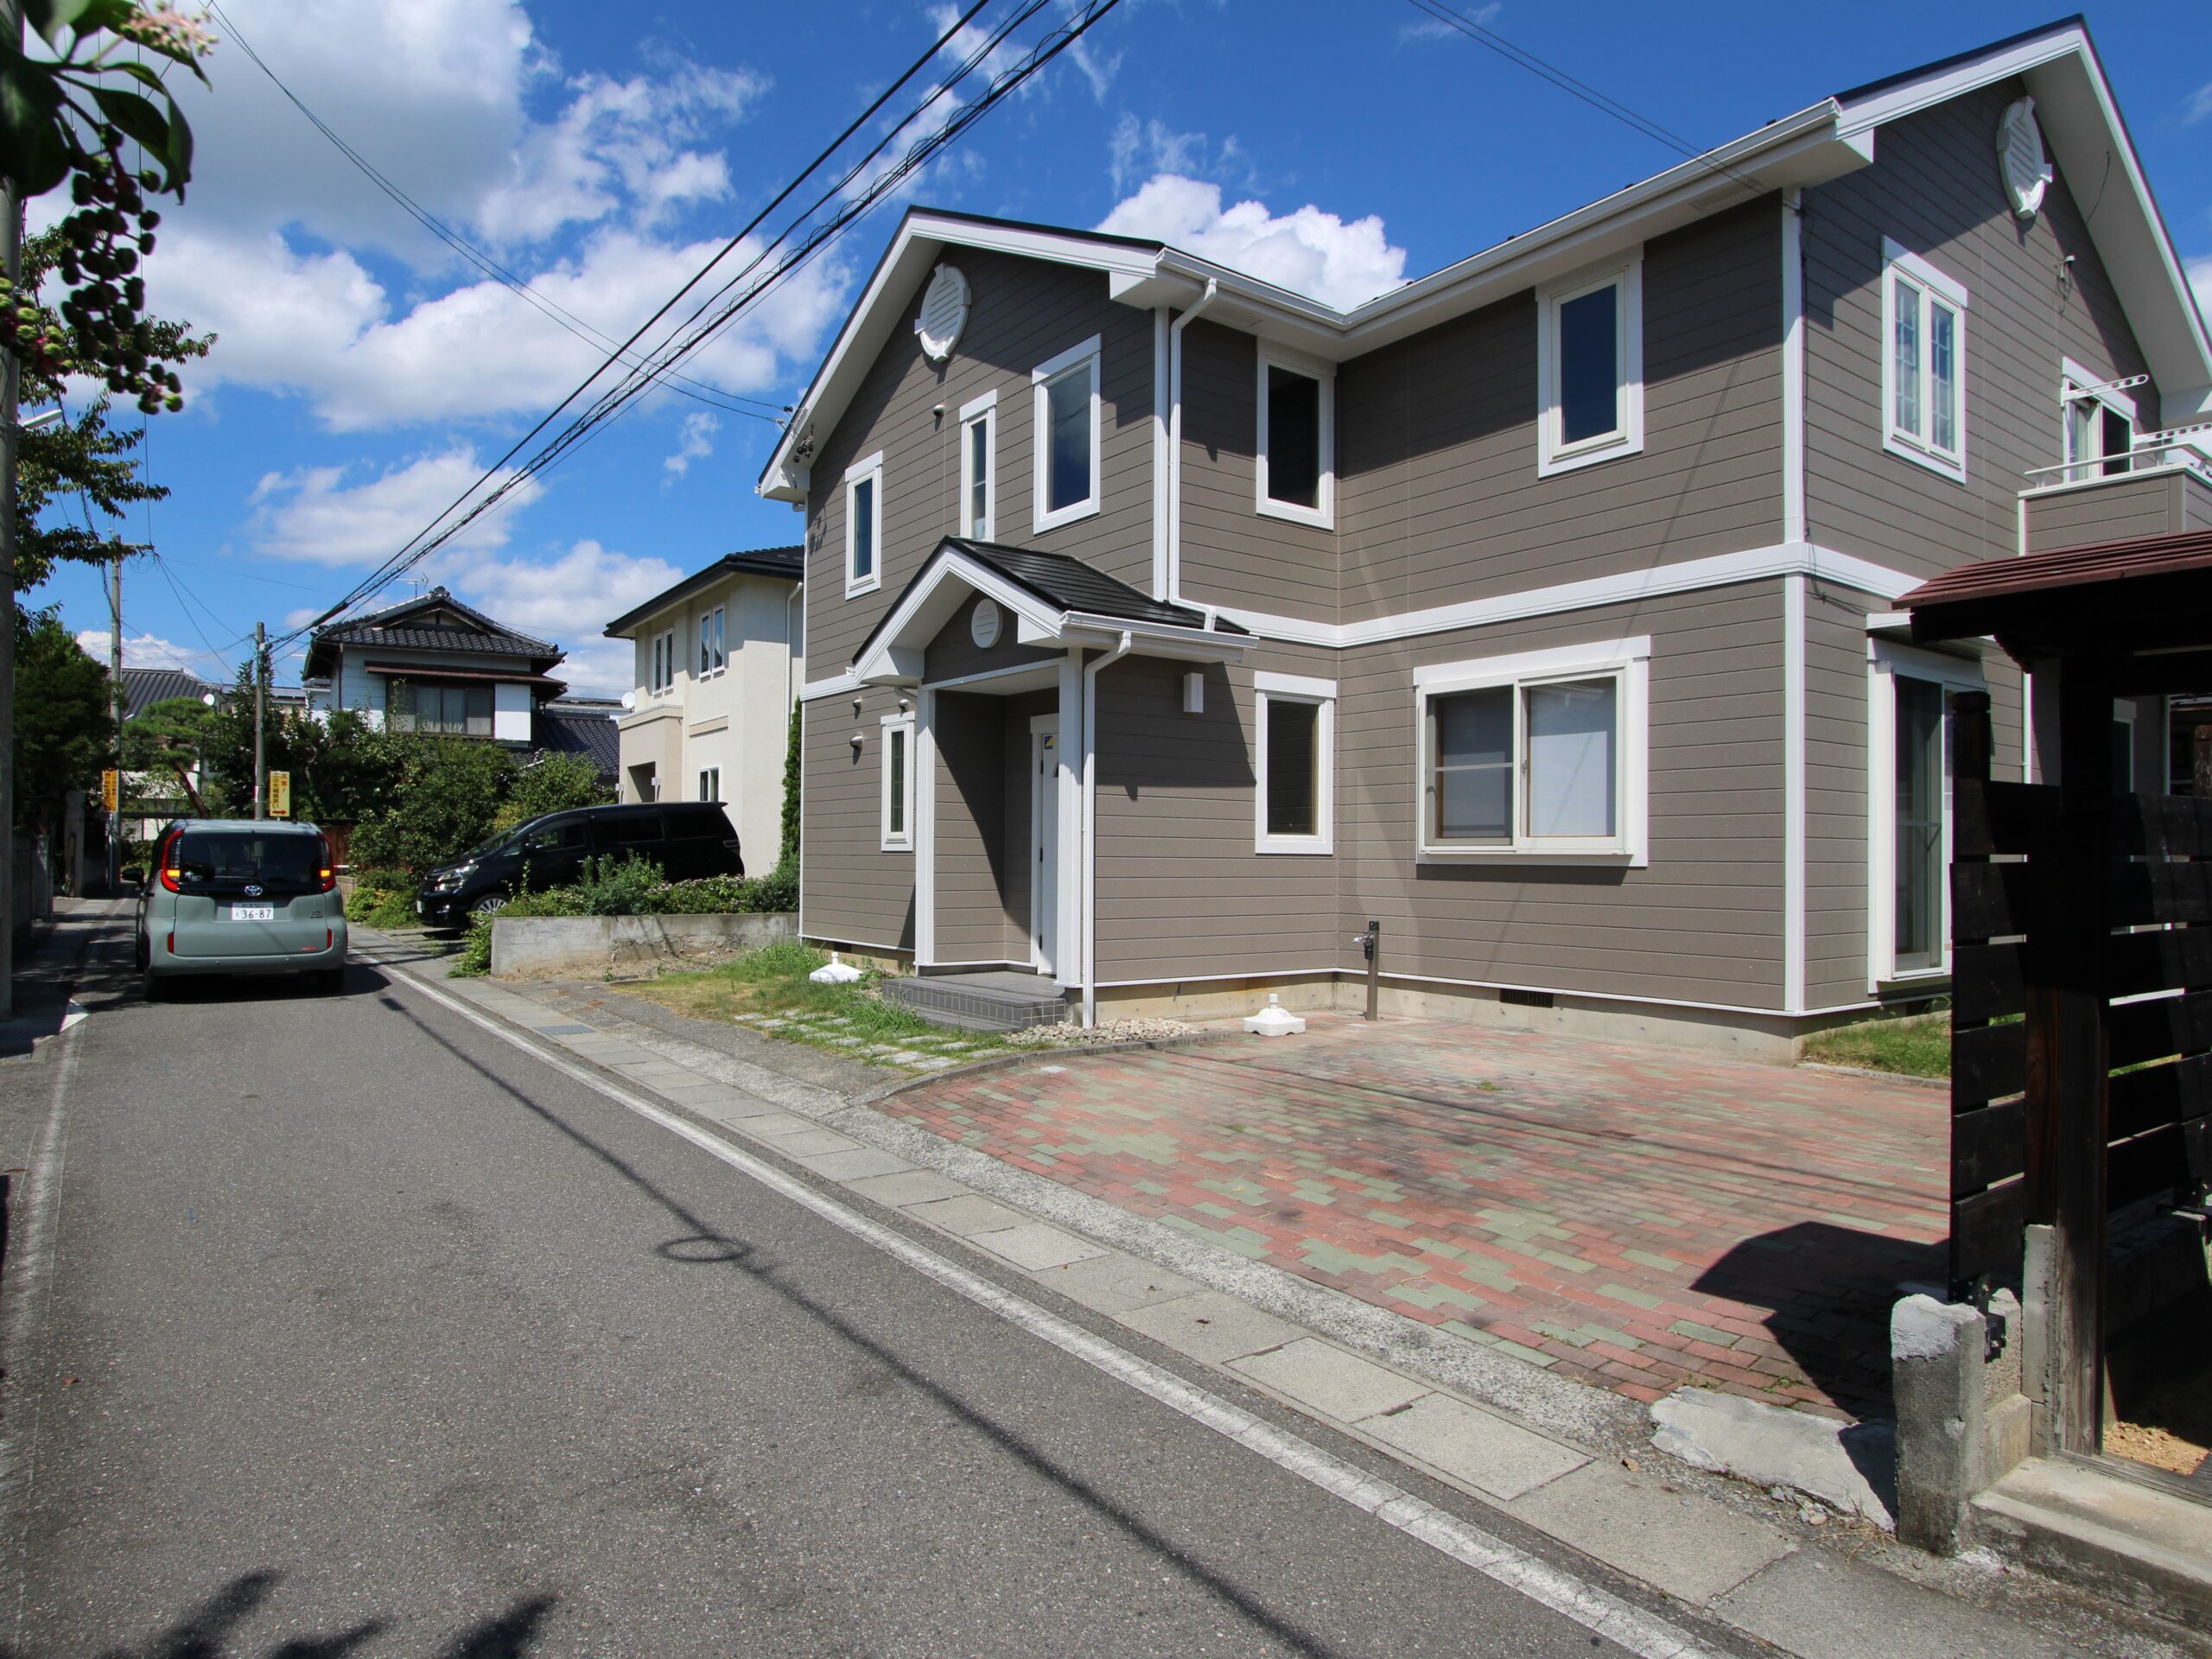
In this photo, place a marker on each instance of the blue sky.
(364, 375)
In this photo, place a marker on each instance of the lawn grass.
(1913, 1046)
(768, 991)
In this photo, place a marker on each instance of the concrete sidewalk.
(1570, 1462)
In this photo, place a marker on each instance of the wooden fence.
(2018, 954)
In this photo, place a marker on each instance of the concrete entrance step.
(2136, 1543)
(986, 1002)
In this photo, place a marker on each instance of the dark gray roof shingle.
(589, 732)
(785, 563)
(144, 687)
(473, 633)
(1072, 585)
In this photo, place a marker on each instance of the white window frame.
(1554, 455)
(870, 471)
(2072, 381)
(1628, 662)
(1269, 689)
(1323, 513)
(710, 783)
(1076, 360)
(901, 840)
(980, 414)
(1897, 260)
(1885, 659)
(713, 656)
(660, 663)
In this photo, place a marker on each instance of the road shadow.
(1828, 1290)
(212, 1630)
(362, 978)
(47, 974)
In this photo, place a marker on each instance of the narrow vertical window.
(1920, 860)
(978, 465)
(1590, 369)
(1295, 460)
(864, 525)
(898, 783)
(1924, 364)
(1067, 437)
(1296, 734)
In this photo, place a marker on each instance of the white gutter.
(1090, 906)
(1174, 594)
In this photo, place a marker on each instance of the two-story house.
(720, 659)
(433, 665)
(1168, 627)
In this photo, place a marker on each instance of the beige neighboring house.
(1167, 627)
(720, 659)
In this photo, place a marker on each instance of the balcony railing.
(2155, 490)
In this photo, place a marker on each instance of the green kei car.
(241, 896)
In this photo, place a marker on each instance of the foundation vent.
(1528, 999)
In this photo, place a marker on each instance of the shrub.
(726, 895)
(445, 803)
(618, 888)
(554, 782)
(381, 881)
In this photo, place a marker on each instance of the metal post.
(1374, 969)
(114, 713)
(260, 683)
(11, 254)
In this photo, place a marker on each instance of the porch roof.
(1054, 599)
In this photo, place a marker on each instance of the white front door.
(1045, 842)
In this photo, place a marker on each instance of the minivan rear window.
(628, 829)
(209, 861)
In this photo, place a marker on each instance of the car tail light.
(172, 870)
(172, 941)
(327, 865)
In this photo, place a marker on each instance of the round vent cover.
(2019, 158)
(983, 624)
(945, 313)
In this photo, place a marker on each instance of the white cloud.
(314, 514)
(2199, 271)
(695, 442)
(568, 599)
(1309, 251)
(1147, 147)
(149, 650)
(321, 326)
(1438, 29)
(2200, 106)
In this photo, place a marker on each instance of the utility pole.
(115, 713)
(260, 697)
(11, 255)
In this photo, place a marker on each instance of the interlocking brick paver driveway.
(1629, 1215)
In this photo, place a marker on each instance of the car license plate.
(253, 912)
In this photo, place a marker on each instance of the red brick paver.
(1629, 1216)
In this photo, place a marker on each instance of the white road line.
(1606, 1615)
(23, 1296)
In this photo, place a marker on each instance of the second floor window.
(710, 784)
(1924, 363)
(661, 670)
(445, 711)
(1066, 391)
(864, 525)
(1295, 465)
(2099, 426)
(1590, 369)
(978, 482)
(711, 657)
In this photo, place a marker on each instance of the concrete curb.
(1944, 1084)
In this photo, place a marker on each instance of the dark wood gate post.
(2067, 973)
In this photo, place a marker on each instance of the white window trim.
(902, 842)
(1630, 660)
(983, 410)
(1069, 361)
(705, 772)
(1270, 689)
(1627, 438)
(1885, 659)
(662, 663)
(712, 629)
(1896, 258)
(1323, 515)
(863, 471)
(2072, 378)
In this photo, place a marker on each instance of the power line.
(730, 401)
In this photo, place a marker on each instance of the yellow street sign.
(280, 794)
(111, 789)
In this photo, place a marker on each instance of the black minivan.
(685, 838)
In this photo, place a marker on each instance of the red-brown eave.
(2072, 567)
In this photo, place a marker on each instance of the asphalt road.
(336, 1326)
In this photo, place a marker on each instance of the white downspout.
(1090, 906)
(1175, 450)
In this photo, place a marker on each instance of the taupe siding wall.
(854, 892)
(954, 653)
(1181, 893)
(1232, 554)
(1933, 188)
(1438, 497)
(972, 857)
(1026, 312)
(2170, 501)
(1702, 924)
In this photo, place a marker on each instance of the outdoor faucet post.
(1373, 943)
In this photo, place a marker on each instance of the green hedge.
(635, 887)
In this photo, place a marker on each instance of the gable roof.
(564, 729)
(1055, 599)
(432, 621)
(2081, 122)
(144, 687)
(781, 563)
